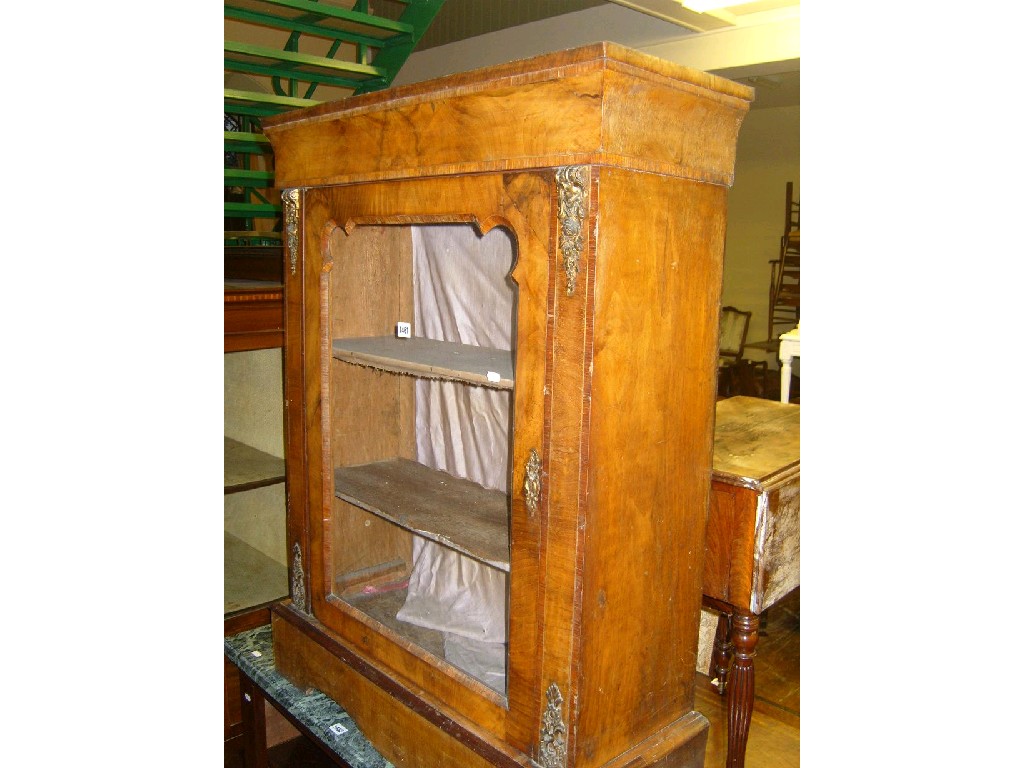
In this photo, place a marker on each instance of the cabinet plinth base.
(409, 731)
(679, 745)
(403, 727)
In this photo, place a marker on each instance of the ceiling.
(732, 14)
(462, 19)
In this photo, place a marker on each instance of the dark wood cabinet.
(607, 172)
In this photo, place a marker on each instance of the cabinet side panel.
(657, 290)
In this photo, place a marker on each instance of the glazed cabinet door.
(424, 358)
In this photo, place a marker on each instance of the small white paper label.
(492, 376)
(403, 330)
(338, 729)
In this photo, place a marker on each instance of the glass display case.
(502, 294)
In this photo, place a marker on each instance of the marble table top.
(252, 652)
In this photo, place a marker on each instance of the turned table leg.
(786, 373)
(722, 653)
(740, 700)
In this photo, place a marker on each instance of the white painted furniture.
(789, 347)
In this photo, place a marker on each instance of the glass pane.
(420, 436)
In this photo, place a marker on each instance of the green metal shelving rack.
(328, 44)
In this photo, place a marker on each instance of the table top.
(757, 442)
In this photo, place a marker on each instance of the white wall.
(254, 415)
(254, 399)
(767, 156)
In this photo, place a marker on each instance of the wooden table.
(752, 553)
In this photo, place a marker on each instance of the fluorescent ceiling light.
(700, 6)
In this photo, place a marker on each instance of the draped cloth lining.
(463, 293)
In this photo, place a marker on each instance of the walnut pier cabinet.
(548, 614)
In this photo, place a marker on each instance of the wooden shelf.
(457, 513)
(251, 578)
(430, 359)
(246, 467)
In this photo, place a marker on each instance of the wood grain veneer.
(609, 169)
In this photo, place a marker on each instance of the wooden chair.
(732, 337)
(784, 289)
